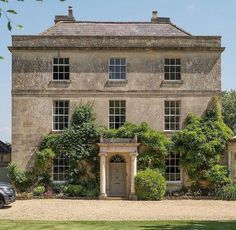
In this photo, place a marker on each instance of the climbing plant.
(154, 144)
(78, 143)
(202, 142)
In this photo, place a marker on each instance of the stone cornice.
(198, 43)
(131, 93)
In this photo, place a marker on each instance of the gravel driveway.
(56, 209)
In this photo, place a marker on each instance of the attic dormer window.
(61, 69)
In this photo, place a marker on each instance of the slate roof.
(83, 28)
(4, 148)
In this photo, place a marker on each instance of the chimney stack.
(70, 12)
(154, 17)
(65, 18)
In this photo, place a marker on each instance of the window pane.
(172, 69)
(172, 115)
(116, 113)
(61, 66)
(117, 69)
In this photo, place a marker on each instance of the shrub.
(227, 192)
(150, 185)
(59, 188)
(74, 190)
(38, 191)
(21, 179)
(218, 175)
(91, 189)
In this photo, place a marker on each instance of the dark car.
(7, 194)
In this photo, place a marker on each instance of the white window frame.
(172, 115)
(175, 66)
(118, 114)
(64, 166)
(60, 115)
(175, 166)
(117, 65)
(61, 65)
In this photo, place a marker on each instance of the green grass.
(144, 225)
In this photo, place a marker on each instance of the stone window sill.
(170, 83)
(59, 83)
(116, 83)
(56, 131)
(173, 182)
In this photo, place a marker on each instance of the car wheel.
(2, 202)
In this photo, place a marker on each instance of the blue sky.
(200, 17)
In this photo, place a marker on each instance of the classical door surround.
(125, 148)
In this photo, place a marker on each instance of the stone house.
(5, 159)
(5, 154)
(152, 72)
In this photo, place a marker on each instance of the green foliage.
(49, 142)
(91, 189)
(84, 113)
(38, 191)
(218, 175)
(202, 142)
(8, 12)
(154, 146)
(228, 101)
(227, 192)
(150, 185)
(59, 188)
(74, 190)
(78, 143)
(44, 161)
(21, 179)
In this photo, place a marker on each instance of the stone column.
(133, 171)
(103, 194)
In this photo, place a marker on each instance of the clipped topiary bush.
(150, 185)
(227, 192)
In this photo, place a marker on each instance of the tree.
(7, 13)
(228, 101)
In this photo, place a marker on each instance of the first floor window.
(172, 69)
(60, 115)
(61, 168)
(61, 69)
(172, 115)
(117, 69)
(117, 111)
(173, 167)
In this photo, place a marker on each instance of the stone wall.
(144, 91)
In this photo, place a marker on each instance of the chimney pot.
(154, 16)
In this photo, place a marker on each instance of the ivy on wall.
(202, 142)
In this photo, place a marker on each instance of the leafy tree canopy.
(228, 101)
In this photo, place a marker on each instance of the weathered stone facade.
(144, 89)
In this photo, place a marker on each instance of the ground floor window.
(173, 167)
(61, 168)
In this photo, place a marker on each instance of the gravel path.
(120, 210)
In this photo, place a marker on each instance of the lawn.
(144, 225)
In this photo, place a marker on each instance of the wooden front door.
(117, 179)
